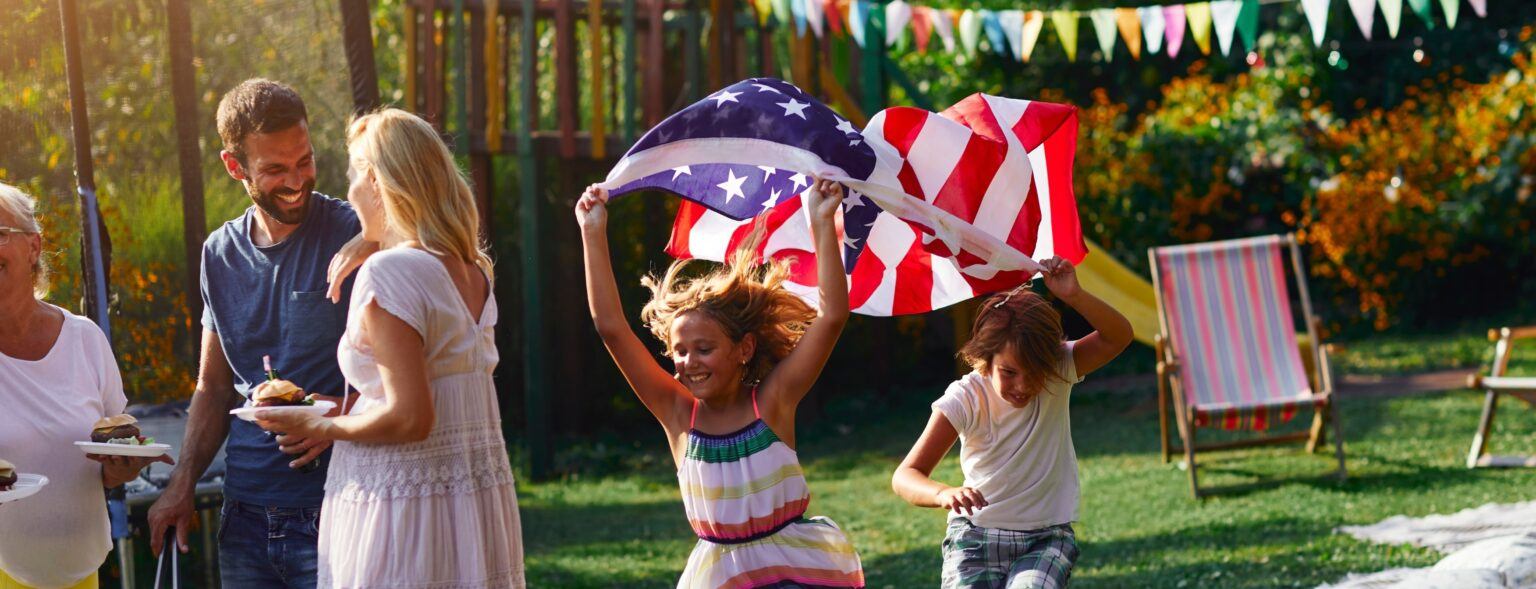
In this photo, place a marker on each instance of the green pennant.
(1424, 10)
(1248, 24)
(1451, 7)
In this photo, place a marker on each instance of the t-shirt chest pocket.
(311, 322)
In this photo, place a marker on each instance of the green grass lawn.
(1272, 526)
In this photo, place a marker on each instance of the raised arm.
(792, 378)
(658, 390)
(207, 427)
(1112, 331)
(913, 479)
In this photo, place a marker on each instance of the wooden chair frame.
(1170, 385)
(1495, 384)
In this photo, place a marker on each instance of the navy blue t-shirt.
(270, 301)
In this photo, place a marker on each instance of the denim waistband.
(233, 506)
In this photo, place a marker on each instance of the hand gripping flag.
(940, 207)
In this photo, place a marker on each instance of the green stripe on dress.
(731, 450)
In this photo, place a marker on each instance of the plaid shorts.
(989, 557)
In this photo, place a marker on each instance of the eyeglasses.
(7, 232)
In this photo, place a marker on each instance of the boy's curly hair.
(742, 296)
(1026, 322)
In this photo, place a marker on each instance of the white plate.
(26, 485)
(248, 413)
(105, 449)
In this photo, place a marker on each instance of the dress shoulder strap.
(755, 412)
(694, 417)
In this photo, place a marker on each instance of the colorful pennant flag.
(1152, 26)
(922, 27)
(858, 15)
(897, 14)
(1224, 15)
(1317, 17)
(1012, 23)
(994, 29)
(1173, 21)
(1199, 16)
(1425, 12)
(1392, 11)
(1130, 29)
(1103, 21)
(1248, 24)
(1034, 22)
(1480, 7)
(1066, 30)
(1365, 15)
(944, 25)
(1451, 8)
(970, 31)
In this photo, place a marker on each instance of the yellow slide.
(1124, 289)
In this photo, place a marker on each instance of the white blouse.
(60, 535)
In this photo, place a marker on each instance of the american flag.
(939, 207)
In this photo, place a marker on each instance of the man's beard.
(268, 203)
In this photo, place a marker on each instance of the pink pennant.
(1173, 18)
(922, 27)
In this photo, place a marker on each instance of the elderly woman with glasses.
(57, 377)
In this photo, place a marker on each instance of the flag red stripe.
(914, 281)
(688, 214)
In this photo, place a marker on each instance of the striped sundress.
(746, 497)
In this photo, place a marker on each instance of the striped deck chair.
(1498, 382)
(1228, 353)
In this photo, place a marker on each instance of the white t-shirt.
(60, 535)
(1019, 458)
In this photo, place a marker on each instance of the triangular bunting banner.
(1130, 29)
(922, 27)
(1012, 23)
(1317, 17)
(1066, 30)
(1034, 22)
(858, 14)
(764, 9)
(1480, 7)
(1392, 11)
(1199, 16)
(945, 27)
(1152, 26)
(1104, 27)
(1425, 12)
(1365, 15)
(996, 37)
(897, 14)
(1248, 24)
(1173, 24)
(813, 15)
(1224, 18)
(1451, 8)
(970, 31)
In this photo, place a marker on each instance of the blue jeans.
(264, 547)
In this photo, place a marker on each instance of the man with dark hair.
(264, 286)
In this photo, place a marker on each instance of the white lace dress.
(441, 513)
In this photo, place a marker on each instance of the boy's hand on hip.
(961, 500)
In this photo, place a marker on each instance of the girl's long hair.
(425, 195)
(743, 296)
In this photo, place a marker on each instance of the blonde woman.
(420, 492)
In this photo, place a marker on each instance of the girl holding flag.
(745, 351)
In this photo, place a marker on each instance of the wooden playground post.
(535, 383)
(189, 157)
(94, 258)
(357, 39)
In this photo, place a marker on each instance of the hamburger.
(279, 393)
(7, 475)
(119, 429)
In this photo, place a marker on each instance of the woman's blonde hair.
(742, 296)
(23, 208)
(1025, 322)
(425, 195)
